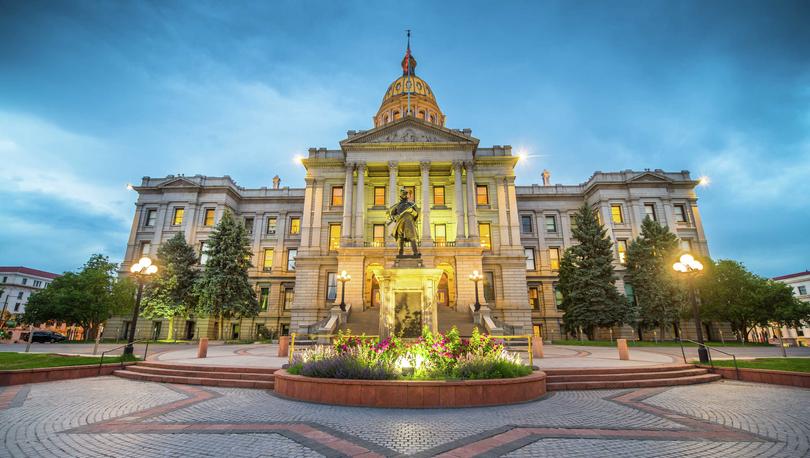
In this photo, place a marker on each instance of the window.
(529, 253)
(526, 224)
(249, 226)
(5, 279)
(551, 223)
(489, 287)
(649, 210)
(264, 298)
(680, 214)
(287, 297)
(481, 195)
(572, 219)
(379, 235)
(558, 295)
(295, 225)
(334, 237)
(291, 254)
(267, 264)
(438, 196)
(17, 307)
(178, 216)
(337, 196)
(203, 254)
(25, 281)
(802, 290)
(616, 214)
(20, 295)
(411, 192)
(630, 293)
(621, 249)
(272, 224)
(686, 245)
(331, 286)
(151, 216)
(440, 233)
(486, 235)
(534, 297)
(37, 283)
(146, 248)
(379, 196)
(554, 258)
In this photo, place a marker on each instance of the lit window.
(440, 231)
(489, 287)
(291, 254)
(616, 214)
(621, 248)
(151, 216)
(264, 298)
(649, 211)
(379, 196)
(334, 237)
(379, 235)
(203, 253)
(534, 297)
(438, 196)
(481, 195)
(529, 253)
(272, 223)
(267, 266)
(485, 235)
(554, 258)
(411, 192)
(680, 213)
(331, 286)
(209, 217)
(249, 226)
(551, 223)
(178, 216)
(526, 224)
(295, 225)
(337, 196)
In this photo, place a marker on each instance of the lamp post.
(343, 278)
(141, 271)
(476, 277)
(690, 267)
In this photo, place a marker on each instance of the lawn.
(648, 343)
(11, 361)
(777, 364)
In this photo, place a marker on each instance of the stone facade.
(472, 217)
(18, 284)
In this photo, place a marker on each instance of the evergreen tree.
(224, 289)
(587, 282)
(172, 294)
(659, 296)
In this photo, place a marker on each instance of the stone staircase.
(233, 377)
(626, 377)
(366, 322)
(449, 317)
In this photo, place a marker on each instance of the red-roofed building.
(800, 283)
(19, 283)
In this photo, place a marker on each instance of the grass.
(647, 343)
(777, 364)
(11, 361)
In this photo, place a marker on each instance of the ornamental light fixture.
(476, 277)
(689, 267)
(343, 278)
(142, 271)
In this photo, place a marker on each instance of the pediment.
(178, 182)
(649, 177)
(409, 130)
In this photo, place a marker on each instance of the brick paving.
(107, 416)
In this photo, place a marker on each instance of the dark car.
(43, 336)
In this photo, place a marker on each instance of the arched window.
(433, 119)
(385, 119)
(396, 115)
(422, 114)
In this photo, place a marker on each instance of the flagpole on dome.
(408, 66)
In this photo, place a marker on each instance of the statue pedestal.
(407, 298)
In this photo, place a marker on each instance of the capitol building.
(472, 217)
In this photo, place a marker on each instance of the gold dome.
(423, 103)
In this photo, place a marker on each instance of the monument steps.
(365, 322)
(232, 377)
(448, 318)
(631, 377)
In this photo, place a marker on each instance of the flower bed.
(431, 357)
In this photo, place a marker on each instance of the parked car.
(43, 337)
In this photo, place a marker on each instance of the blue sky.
(95, 95)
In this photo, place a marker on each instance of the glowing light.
(151, 269)
(704, 181)
(145, 262)
(687, 259)
(298, 159)
(130, 187)
(523, 156)
(135, 268)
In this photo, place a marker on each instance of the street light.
(690, 267)
(476, 277)
(343, 278)
(141, 271)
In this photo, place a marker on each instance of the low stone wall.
(50, 374)
(411, 394)
(799, 379)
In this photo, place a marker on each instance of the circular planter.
(411, 394)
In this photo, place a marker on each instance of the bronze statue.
(404, 214)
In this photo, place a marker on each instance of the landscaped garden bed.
(21, 368)
(436, 370)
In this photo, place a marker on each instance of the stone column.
(427, 240)
(132, 245)
(393, 193)
(189, 223)
(514, 215)
(157, 238)
(459, 201)
(360, 209)
(306, 217)
(472, 217)
(503, 216)
(346, 226)
(315, 232)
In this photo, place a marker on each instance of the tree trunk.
(663, 330)
(170, 336)
(640, 333)
(745, 333)
(219, 327)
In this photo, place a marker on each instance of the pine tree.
(224, 289)
(587, 282)
(171, 294)
(650, 257)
